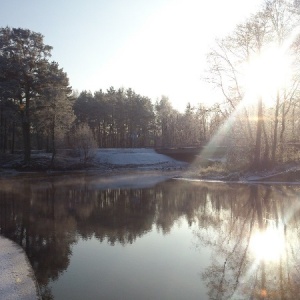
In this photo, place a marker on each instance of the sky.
(155, 47)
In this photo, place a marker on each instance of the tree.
(166, 119)
(249, 67)
(117, 118)
(83, 141)
(53, 110)
(23, 69)
(8, 124)
(140, 117)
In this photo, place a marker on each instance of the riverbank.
(102, 160)
(17, 280)
(114, 161)
(283, 173)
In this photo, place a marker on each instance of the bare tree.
(249, 46)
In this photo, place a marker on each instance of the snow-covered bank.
(102, 159)
(125, 161)
(17, 281)
(134, 157)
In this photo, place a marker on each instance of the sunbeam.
(263, 75)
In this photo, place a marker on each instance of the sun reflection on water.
(268, 244)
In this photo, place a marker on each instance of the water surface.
(173, 240)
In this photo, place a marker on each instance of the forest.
(255, 69)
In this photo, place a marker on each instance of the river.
(173, 239)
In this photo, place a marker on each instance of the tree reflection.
(238, 272)
(47, 216)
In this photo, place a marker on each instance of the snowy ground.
(135, 157)
(17, 281)
(114, 161)
(102, 160)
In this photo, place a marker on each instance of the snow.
(16, 275)
(135, 157)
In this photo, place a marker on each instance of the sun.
(267, 73)
(268, 244)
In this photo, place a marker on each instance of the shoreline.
(176, 172)
(17, 279)
(118, 161)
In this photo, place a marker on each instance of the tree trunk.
(13, 138)
(1, 130)
(53, 143)
(282, 130)
(267, 147)
(293, 123)
(26, 130)
(5, 136)
(257, 151)
(26, 140)
(274, 146)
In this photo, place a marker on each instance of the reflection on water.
(244, 245)
(255, 241)
(269, 243)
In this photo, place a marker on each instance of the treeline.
(39, 110)
(256, 69)
(122, 118)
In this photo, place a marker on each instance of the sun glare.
(269, 244)
(267, 73)
(167, 54)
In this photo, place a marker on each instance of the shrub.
(84, 142)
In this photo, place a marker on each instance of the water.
(174, 240)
